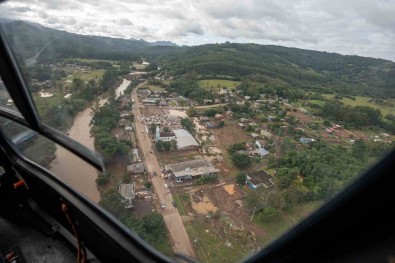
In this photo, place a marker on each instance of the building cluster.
(171, 121)
(191, 169)
(184, 140)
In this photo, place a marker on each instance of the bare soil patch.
(177, 156)
(148, 110)
(202, 204)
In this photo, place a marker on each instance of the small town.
(212, 151)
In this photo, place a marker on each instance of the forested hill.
(287, 67)
(284, 66)
(27, 39)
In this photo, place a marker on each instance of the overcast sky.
(354, 27)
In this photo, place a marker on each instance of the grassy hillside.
(320, 71)
(217, 84)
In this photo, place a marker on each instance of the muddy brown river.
(74, 171)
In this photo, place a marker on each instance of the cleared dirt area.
(148, 110)
(177, 156)
(202, 204)
(231, 133)
(224, 137)
(229, 188)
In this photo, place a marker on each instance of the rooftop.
(184, 139)
(261, 177)
(188, 164)
(126, 190)
(196, 171)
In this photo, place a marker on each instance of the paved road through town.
(171, 215)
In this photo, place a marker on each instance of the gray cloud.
(350, 27)
(186, 28)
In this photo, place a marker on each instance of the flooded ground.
(119, 91)
(70, 168)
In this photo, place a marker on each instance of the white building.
(128, 193)
(185, 140)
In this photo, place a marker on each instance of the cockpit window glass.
(214, 146)
(59, 161)
(5, 98)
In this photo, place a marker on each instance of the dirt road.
(171, 215)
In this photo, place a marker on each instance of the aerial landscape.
(212, 150)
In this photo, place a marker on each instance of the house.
(219, 116)
(150, 101)
(255, 135)
(134, 156)
(204, 118)
(241, 125)
(209, 125)
(229, 114)
(266, 134)
(262, 152)
(242, 152)
(185, 140)
(167, 136)
(144, 92)
(128, 127)
(162, 102)
(207, 101)
(222, 91)
(329, 130)
(385, 135)
(135, 168)
(122, 123)
(259, 143)
(249, 145)
(191, 169)
(298, 129)
(253, 152)
(127, 191)
(164, 136)
(306, 140)
(259, 179)
(243, 120)
(302, 110)
(253, 124)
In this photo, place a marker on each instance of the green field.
(44, 104)
(155, 88)
(139, 66)
(217, 84)
(210, 246)
(317, 102)
(95, 74)
(364, 101)
(287, 219)
(180, 205)
(90, 60)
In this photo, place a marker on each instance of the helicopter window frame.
(12, 77)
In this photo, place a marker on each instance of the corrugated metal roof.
(184, 139)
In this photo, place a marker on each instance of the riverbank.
(72, 169)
